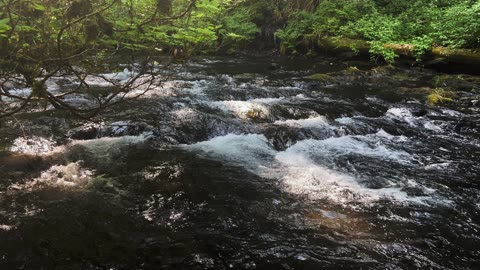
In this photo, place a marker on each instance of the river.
(248, 163)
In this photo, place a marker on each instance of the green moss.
(440, 96)
(435, 99)
(457, 55)
(353, 70)
(385, 70)
(255, 114)
(343, 44)
(320, 77)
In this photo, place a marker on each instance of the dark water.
(246, 164)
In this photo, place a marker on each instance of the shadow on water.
(165, 209)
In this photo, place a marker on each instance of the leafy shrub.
(300, 26)
(458, 26)
(238, 28)
(4, 27)
(419, 23)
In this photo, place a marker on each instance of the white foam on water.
(7, 228)
(249, 150)
(452, 113)
(438, 166)
(80, 100)
(345, 120)
(432, 126)
(402, 114)
(197, 88)
(32, 145)
(239, 108)
(20, 92)
(229, 80)
(268, 101)
(60, 176)
(405, 115)
(383, 134)
(302, 175)
(147, 87)
(53, 85)
(350, 145)
(313, 122)
(116, 140)
(185, 113)
(242, 108)
(102, 147)
(185, 116)
(298, 173)
(109, 79)
(42, 146)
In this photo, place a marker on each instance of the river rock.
(282, 137)
(467, 125)
(116, 129)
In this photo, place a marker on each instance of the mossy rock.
(457, 55)
(440, 96)
(353, 70)
(459, 82)
(385, 70)
(246, 76)
(320, 77)
(342, 44)
(255, 114)
(231, 51)
(435, 99)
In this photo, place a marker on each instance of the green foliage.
(458, 26)
(379, 30)
(375, 27)
(378, 49)
(207, 25)
(238, 28)
(422, 24)
(328, 19)
(421, 46)
(4, 27)
(300, 27)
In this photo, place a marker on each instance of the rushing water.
(245, 164)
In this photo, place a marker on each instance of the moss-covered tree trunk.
(456, 56)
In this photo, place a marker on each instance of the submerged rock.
(88, 132)
(282, 137)
(468, 124)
